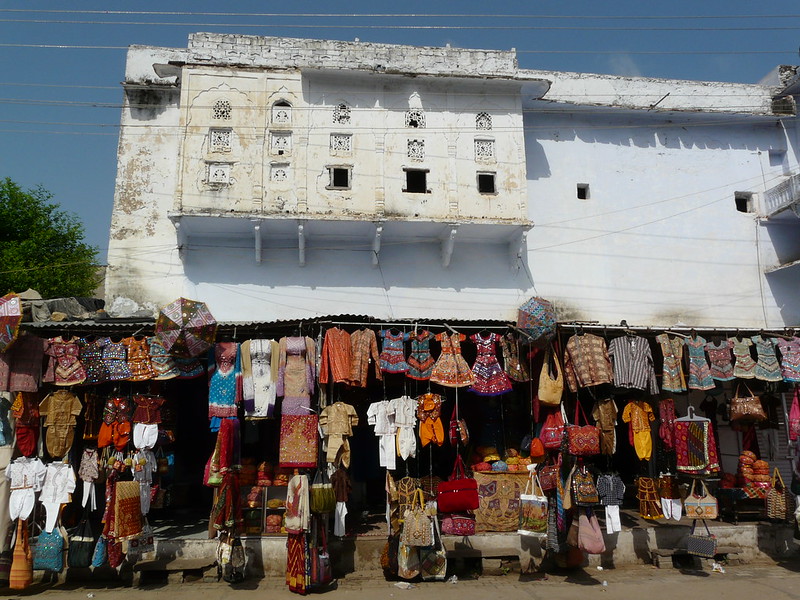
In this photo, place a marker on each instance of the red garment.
(27, 438)
(21, 365)
(666, 431)
(336, 359)
(148, 409)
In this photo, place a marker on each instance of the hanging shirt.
(586, 361)
(363, 349)
(633, 363)
(336, 354)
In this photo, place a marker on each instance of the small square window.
(220, 140)
(583, 191)
(486, 184)
(281, 143)
(341, 143)
(484, 150)
(417, 181)
(744, 202)
(339, 178)
(219, 173)
(279, 172)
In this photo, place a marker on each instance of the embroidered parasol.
(537, 318)
(186, 327)
(10, 318)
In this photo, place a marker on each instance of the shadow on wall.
(783, 285)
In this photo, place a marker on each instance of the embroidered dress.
(115, 359)
(21, 365)
(638, 415)
(224, 369)
(138, 359)
(721, 360)
(490, 379)
(65, 366)
(767, 367)
(259, 384)
(392, 358)
(116, 426)
(699, 371)
(515, 368)
(429, 412)
(91, 356)
(672, 350)
(745, 366)
(189, 368)
(695, 447)
(296, 373)
(163, 364)
(790, 358)
(420, 361)
(451, 370)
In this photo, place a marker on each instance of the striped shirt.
(633, 363)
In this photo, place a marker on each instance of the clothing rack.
(417, 324)
(568, 325)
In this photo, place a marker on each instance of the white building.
(283, 178)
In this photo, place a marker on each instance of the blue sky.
(60, 107)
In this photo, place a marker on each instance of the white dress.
(27, 477)
(260, 385)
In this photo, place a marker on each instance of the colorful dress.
(745, 366)
(224, 391)
(163, 364)
(515, 368)
(490, 379)
(673, 379)
(65, 366)
(638, 414)
(115, 359)
(451, 370)
(790, 358)
(721, 360)
(767, 368)
(392, 358)
(139, 359)
(420, 361)
(695, 447)
(91, 353)
(699, 371)
(296, 374)
(429, 413)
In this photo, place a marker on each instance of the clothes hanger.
(691, 416)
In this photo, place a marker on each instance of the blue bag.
(48, 554)
(100, 556)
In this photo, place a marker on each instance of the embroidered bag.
(100, 554)
(537, 318)
(747, 408)
(794, 416)
(704, 546)
(144, 543)
(21, 575)
(458, 525)
(417, 524)
(553, 430)
(700, 507)
(548, 477)
(322, 499)
(48, 554)
(590, 536)
(584, 490)
(433, 558)
(532, 509)
(551, 388)
(407, 561)
(460, 493)
(583, 440)
(81, 545)
(780, 502)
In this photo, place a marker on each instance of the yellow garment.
(429, 409)
(336, 422)
(639, 414)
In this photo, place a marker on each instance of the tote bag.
(532, 509)
(590, 536)
(460, 493)
(584, 440)
(417, 524)
(704, 546)
(551, 388)
(407, 561)
(433, 559)
(700, 507)
(780, 502)
(81, 545)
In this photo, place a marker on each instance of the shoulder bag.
(81, 545)
(322, 499)
(584, 490)
(700, 507)
(747, 408)
(48, 555)
(590, 536)
(321, 569)
(704, 546)
(460, 493)
(433, 558)
(532, 509)
(584, 440)
(21, 575)
(780, 502)
(417, 524)
(553, 430)
(407, 561)
(551, 388)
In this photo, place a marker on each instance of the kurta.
(363, 350)
(586, 362)
(296, 373)
(605, 413)
(259, 378)
(336, 353)
(633, 363)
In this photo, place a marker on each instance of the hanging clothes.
(116, 426)
(60, 410)
(638, 414)
(516, 369)
(790, 358)
(451, 370)
(57, 488)
(21, 364)
(489, 377)
(611, 490)
(224, 382)
(392, 355)
(336, 357)
(297, 518)
(363, 349)
(649, 500)
(91, 357)
(721, 360)
(25, 411)
(259, 378)
(296, 374)
(670, 494)
(404, 410)
(666, 428)
(604, 412)
(695, 447)
(146, 419)
(745, 366)
(144, 465)
(115, 359)
(420, 361)
(429, 413)
(767, 367)
(138, 359)
(672, 379)
(699, 371)
(65, 367)
(381, 416)
(27, 477)
(633, 363)
(89, 472)
(586, 362)
(163, 364)
(336, 423)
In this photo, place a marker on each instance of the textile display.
(695, 447)
(499, 501)
(127, 511)
(321, 569)
(298, 442)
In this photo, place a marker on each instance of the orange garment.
(429, 411)
(363, 348)
(639, 414)
(335, 356)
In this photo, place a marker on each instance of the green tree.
(41, 246)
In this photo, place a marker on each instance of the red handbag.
(552, 430)
(458, 525)
(460, 493)
(583, 440)
(548, 477)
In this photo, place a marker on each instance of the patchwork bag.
(584, 490)
(459, 493)
(532, 509)
(583, 440)
(417, 529)
(700, 507)
(704, 546)
(747, 408)
(433, 558)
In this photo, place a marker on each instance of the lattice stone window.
(279, 172)
(219, 173)
(341, 143)
(483, 121)
(220, 140)
(341, 114)
(282, 112)
(416, 150)
(221, 110)
(484, 150)
(415, 118)
(281, 142)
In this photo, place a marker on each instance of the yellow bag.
(551, 389)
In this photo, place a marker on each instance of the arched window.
(281, 112)
(415, 117)
(221, 110)
(483, 121)
(341, 114)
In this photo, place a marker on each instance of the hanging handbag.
(548, 477)
(553, 430)
(21, 575)
(417, 524)
(583, 440)
(322, 498)
(48, 554)
(590, 536)
(81, 545)
(459, 493)
(144, 543)
(704, 546)
(321, 568)
(100, 554)
(407, 561)
(584, 490)
(537, 451)
(780, 502)
(551, 388)
(532, 509)
(433, 558)
(794, 416)
(747, 408)
(458, 525)
(700, 507)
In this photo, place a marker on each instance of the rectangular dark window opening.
(583, 191)
(744, 201)
(416, 181)
(340, 178)
(486, 183)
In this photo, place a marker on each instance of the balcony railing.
(784, 195)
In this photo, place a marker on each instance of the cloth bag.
(417, 529)
(584, 440)
(433, 558)
(532, 509)
(322, 499)
(407, 561)
(551, 388)
(700, 507)
(458, 525)
(780, 501)
(794, 416)
(459, 493)
(584, 490)
(81, 545)
(321, 568)
(144, 543)
(553, 430)
(48, 555)
(548, 477)
(590, 536)
(747, 408)
(100, 554)
(704, 546)
(21, 574)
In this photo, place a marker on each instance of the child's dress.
(451, 370)
(393, 359)
(65, 367)
(420, 361)
(721, 360)
(115, 359)
(767, 367)
(699, 371)
(745, 366)
(790, 358)
(672, 350)
(490, 379)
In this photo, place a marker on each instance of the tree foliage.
(41, 246)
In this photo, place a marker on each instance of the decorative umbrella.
(537, 318)
(186, 327)
(10, 318)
